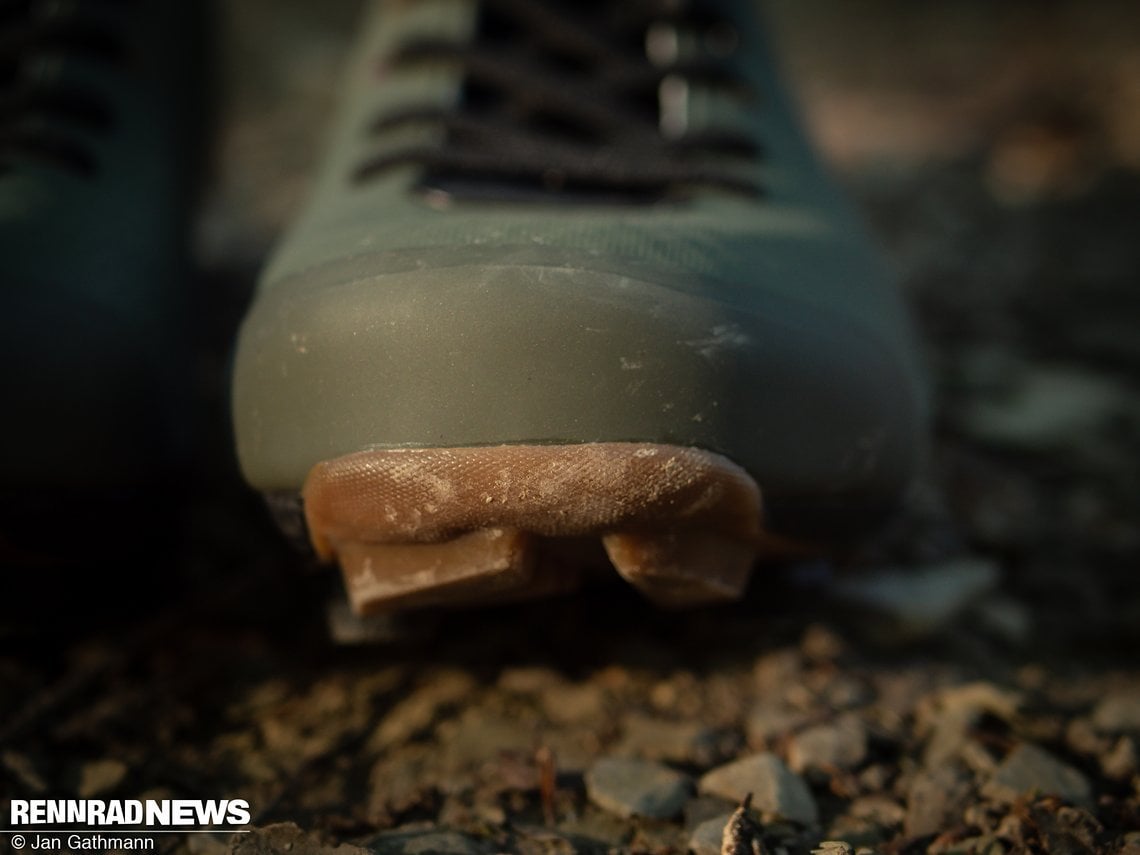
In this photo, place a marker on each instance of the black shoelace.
(45, 115)
(577, 97)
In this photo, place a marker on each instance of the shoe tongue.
(553, 99)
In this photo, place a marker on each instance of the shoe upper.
(100, 140)
(543, 222)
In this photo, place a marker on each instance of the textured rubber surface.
(450, 526)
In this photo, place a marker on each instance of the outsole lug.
(463, 526)
(474, 566)
(682, 568)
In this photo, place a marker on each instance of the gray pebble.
(479, 736)
(672, 741)
(935, 801)
(424, 841)
(24, 770)
(1004, 617)
(833, 847)
(845, 692)
(767, 723)
(879, 808)
(950, 715)
(1082, 737)
(417, 710)
(528, 680)
(1029, 769)
(1120, 762)
(918, 601)
(629, 787)
(1052, 406)
(707, 836)
(841, 744)
(573, 702)
(1118, 712)
(979, 697)
(776, 790)
(100, 777)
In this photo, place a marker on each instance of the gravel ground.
(970, 686)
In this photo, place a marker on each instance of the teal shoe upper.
(99, 141)
(694, 278)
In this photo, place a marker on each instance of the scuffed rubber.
(447, 526)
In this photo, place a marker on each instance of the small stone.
(935, 801)
(875, 778)
(880, 809)
(1051, 407)
(776, 790)
(1120, 763)
(766, 724)
(100, 777)
(822, 644)
(1029, 769)
(845, 692)
(478, 736)
(858, 831)
(949, 737)
(1006, 618)
(418, 710)
(1118, 712)
(528, 680)
(573, 702)
(834, 847)
(595, 825)
(918, 601)
(399, 782)
(708, 837)
(775, 671)
(1082, 737)
(977, 758)
(980, 697)
(653, 738)
(629, 787)
(22, 768)
(841, 744)
(987, 370)
(950, 715)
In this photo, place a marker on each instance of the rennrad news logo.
(158, 813)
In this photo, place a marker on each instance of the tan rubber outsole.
(447, 526)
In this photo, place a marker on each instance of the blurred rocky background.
(974, 687)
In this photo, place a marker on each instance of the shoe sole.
(458, 526)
